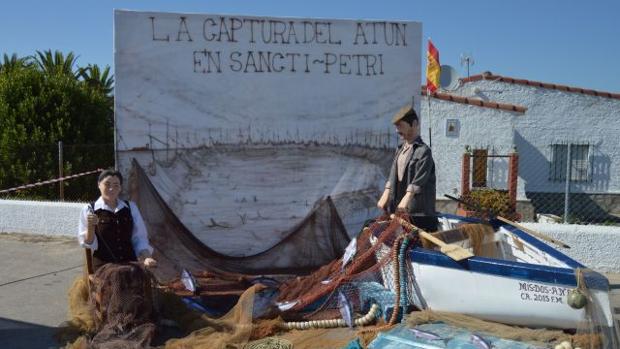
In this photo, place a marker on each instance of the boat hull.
(507, 299)
(530, 288)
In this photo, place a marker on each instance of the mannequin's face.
(406, 131)
(110, 188)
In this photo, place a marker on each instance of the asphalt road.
(31, 309)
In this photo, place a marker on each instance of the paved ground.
(32, 308)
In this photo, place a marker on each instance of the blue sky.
(574, 43)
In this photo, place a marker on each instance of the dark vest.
(113, 233)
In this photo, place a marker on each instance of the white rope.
(330, 323)
(38, 184)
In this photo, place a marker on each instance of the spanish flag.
(433, 69)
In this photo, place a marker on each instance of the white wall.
(555, 116)
(479, 128)
(39, 217)
(595, 246)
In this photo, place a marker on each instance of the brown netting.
(122, 305)
(317, 297)
(232, 330)
(319, 239)
(540, 336)
(80, 312)
(309, 289)
(320, 338)
(121, 296)
(594, 331)
(116, 309)
(81, 319)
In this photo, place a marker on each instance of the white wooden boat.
(519, 280)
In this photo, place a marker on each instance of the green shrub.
(40, 106)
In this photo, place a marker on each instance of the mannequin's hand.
(403, 205)
(383, 201)
(149, 262)
(91, 221)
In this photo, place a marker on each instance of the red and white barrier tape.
(38, 184)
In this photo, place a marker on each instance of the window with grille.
(579, 162)
(479, 171)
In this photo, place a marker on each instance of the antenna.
(449, 78)
(467, 60)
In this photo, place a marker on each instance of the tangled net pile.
(371, 286)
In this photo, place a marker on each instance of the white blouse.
(139, 236)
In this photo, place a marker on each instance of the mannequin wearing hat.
(411, 185)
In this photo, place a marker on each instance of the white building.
(497, 114)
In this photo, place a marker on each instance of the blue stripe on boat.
(510, 269)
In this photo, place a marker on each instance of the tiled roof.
(491, 76)
(476, 101)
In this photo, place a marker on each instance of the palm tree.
(98, 79)
(13, 62)
(56, 62)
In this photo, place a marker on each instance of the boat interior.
(503, 243)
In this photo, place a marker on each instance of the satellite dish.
(449, 78)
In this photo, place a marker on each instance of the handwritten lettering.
(542, 293)
(207, 62)
(281, 34)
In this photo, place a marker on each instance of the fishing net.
(116, 311)
(542, 337)
(233, 330)
(81, 319)
(598, 329)
(80, 312)
(121, 303)
(358, 282)
(319, 338)
(317, 240)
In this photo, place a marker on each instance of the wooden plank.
(455, 252)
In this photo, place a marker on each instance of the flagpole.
(430, 140)
(428, 97)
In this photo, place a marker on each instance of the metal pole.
(468, 67)
(567, 185)
(430, 139)
(61, 185)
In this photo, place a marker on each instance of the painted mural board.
(245, 122)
